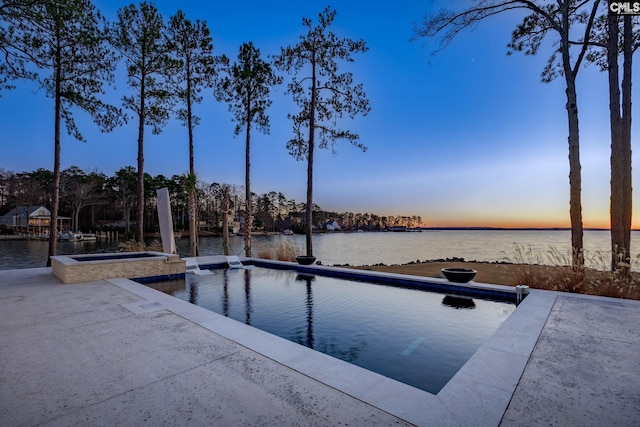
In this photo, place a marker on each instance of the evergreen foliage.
(140, 36)
(323, 94)
(60, 46)
(246, 87)
(193, 49)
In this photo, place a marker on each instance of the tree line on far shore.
(94, 201)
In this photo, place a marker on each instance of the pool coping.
(478, 394)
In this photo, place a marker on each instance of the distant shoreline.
(21, 237)
(12, 237)
(513, 228)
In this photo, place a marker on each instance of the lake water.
(370, 248)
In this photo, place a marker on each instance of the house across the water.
(30, 220)
(332, 226)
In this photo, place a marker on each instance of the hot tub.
(130, 265)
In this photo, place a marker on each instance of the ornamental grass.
(554, 273)
(283, 250)
(134, 246)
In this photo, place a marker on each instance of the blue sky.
(468, 137)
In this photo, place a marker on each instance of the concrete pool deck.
(114, 351)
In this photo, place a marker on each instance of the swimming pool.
(418, 337)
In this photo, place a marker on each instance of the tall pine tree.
(323, 94)
(245, 87)
(141, 38)
(193, 48)
(60, 46)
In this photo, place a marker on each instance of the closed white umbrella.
(166, 221)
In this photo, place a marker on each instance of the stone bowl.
(305, 259)
(458, 275)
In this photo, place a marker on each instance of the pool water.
(418, 337)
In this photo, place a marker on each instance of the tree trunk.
(309, 211)
(127, 218)
(575, 174)
(193, 204)
(575, 179)
(139, 234)
(312, 127)
(248, 222)
(193, 223)
(193, 216)
(55, 203)
(626, 136)
(225, 226)
(621, 187)
(76, 217)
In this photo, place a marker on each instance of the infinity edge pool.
(481, 389)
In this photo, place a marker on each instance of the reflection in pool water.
(413, 336)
